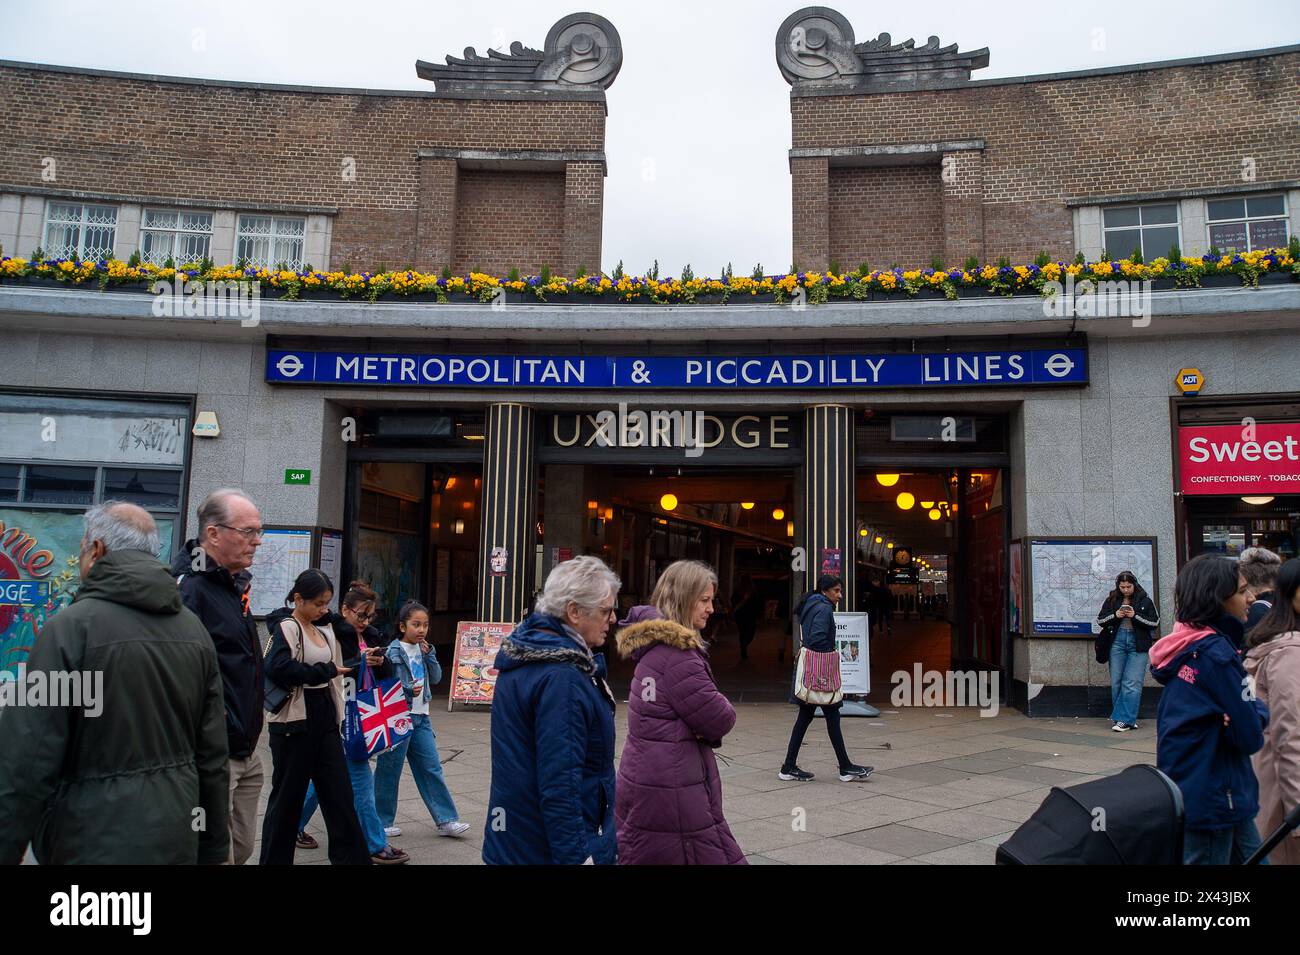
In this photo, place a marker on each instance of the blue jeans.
(363, 800)
(1221, 846)
(1127, 668)
(421, 748)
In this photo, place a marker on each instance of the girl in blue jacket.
(1209, 722)
(416, 665)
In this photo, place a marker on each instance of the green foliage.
(1175, 253)
(864, 269)
(1293, 247)
(1215, 253)
(134, 261)
(206, 266)
(1136, 256)
(757, 273)
(687, 273)
(618, 272)
(972, 263)
(170, 263)
(936, 263)
(1042, 258)
(38, 255)
(545, 275)
(513, 276)
(653, 271)
(446, 271)
(1079, 259)
(835, 267)
(582, 271)
(1004, 262)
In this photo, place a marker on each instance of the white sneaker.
(452, 828)
(392, 830)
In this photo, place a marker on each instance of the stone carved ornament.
(815, 45)
(582, 50)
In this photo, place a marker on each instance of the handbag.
(376, 718)
(817, 677)
(274, 696)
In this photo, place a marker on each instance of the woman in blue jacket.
(1209, 723)
(817, 631)
(552, 797)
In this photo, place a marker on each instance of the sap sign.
(1029, 368)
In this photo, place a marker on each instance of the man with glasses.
(212, 572)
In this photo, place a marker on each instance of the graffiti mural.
(38, 577)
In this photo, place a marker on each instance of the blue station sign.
(1030, 367)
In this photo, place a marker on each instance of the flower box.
(756, 298)
(1277, 278)
(1221, 280)
(1164, 283)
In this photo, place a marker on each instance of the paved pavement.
(949, 785)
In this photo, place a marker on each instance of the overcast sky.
(699, 120)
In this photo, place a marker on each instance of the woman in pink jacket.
(1273, 660)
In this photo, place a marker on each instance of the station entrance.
(922, 528)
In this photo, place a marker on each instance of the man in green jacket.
(113, 747)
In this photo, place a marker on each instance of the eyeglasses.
(606, 611)
(248, 533)
(363, 616)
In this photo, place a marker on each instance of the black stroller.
(1132, 818)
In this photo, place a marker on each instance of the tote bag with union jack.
(376, 719)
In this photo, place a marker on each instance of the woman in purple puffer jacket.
(668, 807)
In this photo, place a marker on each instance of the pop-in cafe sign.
(1012, 368)
(1240, 459)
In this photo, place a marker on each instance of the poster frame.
(461, 625)
(1031, 625)
(312, 552)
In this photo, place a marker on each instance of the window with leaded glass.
(179, 235)
(270, 241)
(76, 230)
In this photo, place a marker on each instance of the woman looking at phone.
(1128, 620)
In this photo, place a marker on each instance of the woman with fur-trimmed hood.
(669, 807)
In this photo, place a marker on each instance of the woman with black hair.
(304, 659)
(1128, 619)
(817, 634)
(1273, 662)
(1208, 722)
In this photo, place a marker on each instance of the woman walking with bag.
(817, 681)
(362, 649)
(669, 805)
(1128, 620)
(304, 669)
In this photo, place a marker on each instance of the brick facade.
(1044, 141)
(509, 219)
(885, 215)
(258, 147)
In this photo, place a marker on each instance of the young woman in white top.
(304, 658)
